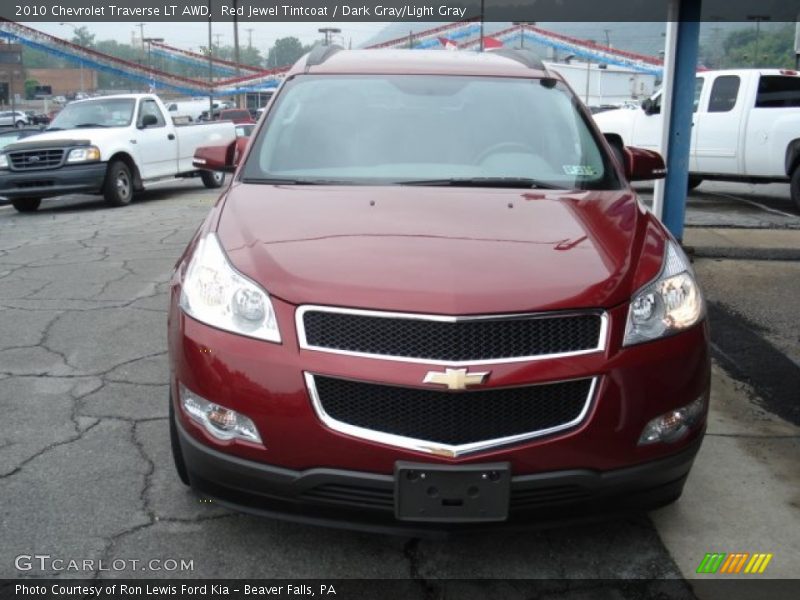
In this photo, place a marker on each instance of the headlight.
(216, 294)
(84, 154)
(3, 160)
(668, 305)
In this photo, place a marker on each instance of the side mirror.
(650, 106)
(643, 165)
(148, 121)
(220, 158)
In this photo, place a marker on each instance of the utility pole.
(328, 32)
(482, 12)
(75, 28)
(150, 41)
(758, 19)
(608, 37)
(236, 46)
(249, 31)
(141, 35)
(210, 67)
(218, 36)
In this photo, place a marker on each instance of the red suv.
(431, 299)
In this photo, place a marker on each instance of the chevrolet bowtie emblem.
(455, 379)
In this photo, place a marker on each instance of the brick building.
(12, 74)
(65, 81)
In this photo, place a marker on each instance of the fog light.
(223, 423)
(674, 425)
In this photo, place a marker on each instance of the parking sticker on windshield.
(580, 170)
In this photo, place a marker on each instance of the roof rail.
(529, 58)
(320, 53)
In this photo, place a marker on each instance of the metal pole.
(482, 9)
(667, 87)
(236, 57)
(588, 78)
(682, 113)
(210, 67)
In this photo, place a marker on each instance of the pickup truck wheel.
(794, 186)
(212, 179)
(177, 454)
(694, 181)
(26, 205)
(118, 188)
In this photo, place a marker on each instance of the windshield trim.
(611, 180)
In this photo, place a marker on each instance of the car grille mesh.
(28, 160)
(452, 418)
(465, 340)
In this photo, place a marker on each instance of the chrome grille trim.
(305, 345)
(435, 448)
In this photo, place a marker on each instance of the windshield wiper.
(89, 125)
(507, 182)
(288, 181)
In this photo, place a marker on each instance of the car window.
(778, 91)
(149, 107)
(103, 112)
(398, 128)
(724, 93)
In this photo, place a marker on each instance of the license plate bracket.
(452, 493)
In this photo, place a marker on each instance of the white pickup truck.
(112, 145)
(746, 127)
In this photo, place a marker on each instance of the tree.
(775, 48)
(82, 37)
(30, 89)
(285, 52)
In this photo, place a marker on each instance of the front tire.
(19, 124)
(794, 186)
(26, 205)
(177, 453)
(212, 179)
(694, 181)
(118, 188)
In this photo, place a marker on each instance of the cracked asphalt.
(85, 465)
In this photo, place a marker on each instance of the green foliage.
(83, 37)
(30, 88)
(285, 52)
(775, 48)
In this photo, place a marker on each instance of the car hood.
(84, 135)
(438, 250)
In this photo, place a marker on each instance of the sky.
(190, 36)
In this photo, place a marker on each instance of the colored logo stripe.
(711, 562)
(758, 563)
(721, 562)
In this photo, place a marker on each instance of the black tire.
(212, 179)
(794, 186)
(694, 181)
(26, 205)
(177, 453)
(19, 124)
(118, 188)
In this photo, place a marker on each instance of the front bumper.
(70, 179)
(361, 500)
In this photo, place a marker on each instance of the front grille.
(351, 495)
(450, 341)
(29, 160)
(450, 418)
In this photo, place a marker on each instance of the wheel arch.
(131, 164)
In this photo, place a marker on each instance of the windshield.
(428, 130)
(108, 112)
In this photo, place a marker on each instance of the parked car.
(746, 127)
(237, 115)
(430, 299)
(10, 135)
(112, 145)
(245, 129)
(35, 118)
(13, 118)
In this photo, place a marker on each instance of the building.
(12, 74)
(65, 82)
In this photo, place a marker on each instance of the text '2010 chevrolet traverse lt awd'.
(428, 300)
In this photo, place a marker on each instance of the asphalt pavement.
(86, 472)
